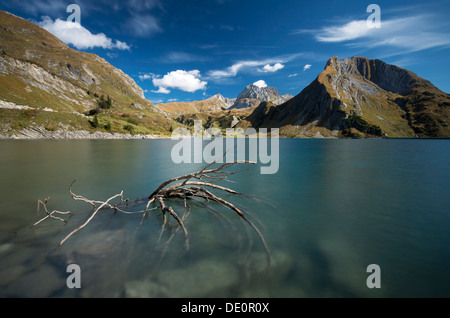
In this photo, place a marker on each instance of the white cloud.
(260, 84)
(293, 75)
(157, 101)
(409, 34)
(146, 76)
(188, 81)
(234, 69)
(121, 45)
(306, 67)
(237, 67)
(253, 65)
(161, 90)
(349, 31)
(80, 37)
(272, 68)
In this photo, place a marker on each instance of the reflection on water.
(333, 208)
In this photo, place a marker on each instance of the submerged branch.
(197, 185)
(91, 217)
(49, 214)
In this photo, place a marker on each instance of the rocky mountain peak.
(259, 92)
(217, 96)
(227, 102)
(263, 93)
(389, 77)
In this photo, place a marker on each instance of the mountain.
(216, 102)
(256, 93)
(220, 112)
(227, 102)
(249, 98)
(360, 97)
(46, 84)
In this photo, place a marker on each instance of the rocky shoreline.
(40, 133)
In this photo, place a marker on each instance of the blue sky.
(180, 50)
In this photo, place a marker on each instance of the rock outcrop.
(253, 95)
(219, 99)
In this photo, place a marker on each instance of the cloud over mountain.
(268, 65)
(272, 68)
(260, 84)
(187, 81)
(81, 38)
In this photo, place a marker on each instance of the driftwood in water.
(194, 185)
(49, 214)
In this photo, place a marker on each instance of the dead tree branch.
(196, 185)
(49, 214)
(91, 217)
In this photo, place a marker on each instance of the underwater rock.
(206, 278)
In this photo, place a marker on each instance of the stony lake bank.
(42, 133)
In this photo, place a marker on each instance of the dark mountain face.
(361, 97)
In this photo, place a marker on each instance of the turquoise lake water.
(333, 208)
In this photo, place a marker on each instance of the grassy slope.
(29, 47)
(220, 119)
(189, 107)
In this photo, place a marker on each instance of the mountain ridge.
(62, 86)
(253, 95)
(248, 99)
(47, 86)
(213, 103)
(359, 97)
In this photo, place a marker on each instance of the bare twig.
(91, 217)
(196, 185)
(49, 214)
(166, 209)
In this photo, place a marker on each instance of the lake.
(333, 208)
